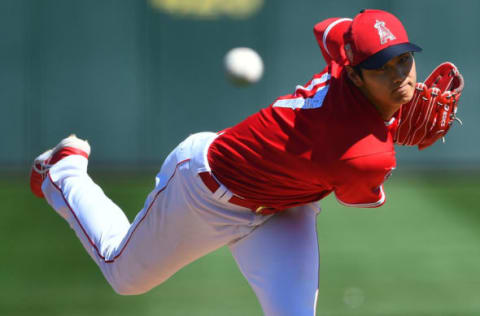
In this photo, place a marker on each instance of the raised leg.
(179, 222)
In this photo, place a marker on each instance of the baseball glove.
(432, 110)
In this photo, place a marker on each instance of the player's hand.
(432, 110)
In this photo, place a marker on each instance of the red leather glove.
(432, 110)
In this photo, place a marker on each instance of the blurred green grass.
(417, 255)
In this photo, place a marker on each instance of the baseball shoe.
(41, 165)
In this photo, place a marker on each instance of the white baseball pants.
(182, 221)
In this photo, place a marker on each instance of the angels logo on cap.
(383, 32)
(362, 44)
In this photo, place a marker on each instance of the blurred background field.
(417, 255)
(135, 77)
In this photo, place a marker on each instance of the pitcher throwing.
(255, 186)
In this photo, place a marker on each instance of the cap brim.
(382, 57)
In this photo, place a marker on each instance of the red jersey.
(325, 137)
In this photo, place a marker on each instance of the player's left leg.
(280, 260)
(181, 220)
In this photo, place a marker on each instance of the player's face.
(391, 85)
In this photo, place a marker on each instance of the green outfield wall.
(135, 77)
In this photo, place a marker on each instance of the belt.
(212, 184)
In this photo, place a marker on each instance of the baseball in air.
(243, 66)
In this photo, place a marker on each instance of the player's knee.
(124, 282)
(126, 289)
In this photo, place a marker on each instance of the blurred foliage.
(209, 9)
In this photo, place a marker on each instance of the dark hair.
(358, 70)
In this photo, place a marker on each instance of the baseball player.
(255, 186)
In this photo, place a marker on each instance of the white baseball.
(243, 66)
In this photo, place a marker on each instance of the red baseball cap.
(374, 37)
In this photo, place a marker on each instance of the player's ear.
(354, 76)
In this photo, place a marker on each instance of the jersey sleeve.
(360, 183)
(360, 195)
